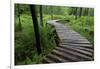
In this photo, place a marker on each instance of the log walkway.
(72, 47)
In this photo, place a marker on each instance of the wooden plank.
(77, 50)
(75, 53)
(81, 45)
(65, 55)
(56, 58)
(86, 49)
(75, 41)
(48, 60)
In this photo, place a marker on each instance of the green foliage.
(25, 45)
(47, 38)
(22, 9)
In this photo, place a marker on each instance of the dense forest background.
(79, 18)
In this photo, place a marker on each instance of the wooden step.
(75, 53)
(82, 40)
(56, 58)
(65, 56)
(80, 45)
(89, 49)
(86, 49)
(75, 41)
(47, 60)
(77, 50)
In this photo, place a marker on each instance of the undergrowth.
(25, 44)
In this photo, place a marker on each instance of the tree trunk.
(20, 25)
(36, 28)
(41, 16)
(92, 12)
(76, 13)
(89, 10)
(80, 14)
(84, 12)
(51, 12)
(72, 11)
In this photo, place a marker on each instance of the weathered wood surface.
(72, 47)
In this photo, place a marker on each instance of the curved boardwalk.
(72, 47)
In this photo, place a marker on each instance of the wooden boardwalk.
(72, 47)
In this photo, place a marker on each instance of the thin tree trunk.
(92, 12)
(20, 25)
(72, 11)
(76, 13)
(88, 18)
(41, 16)
(80, 14)
(36, 28)
(89, 10)
(82, 11)
(85, 12)
(51, 12)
